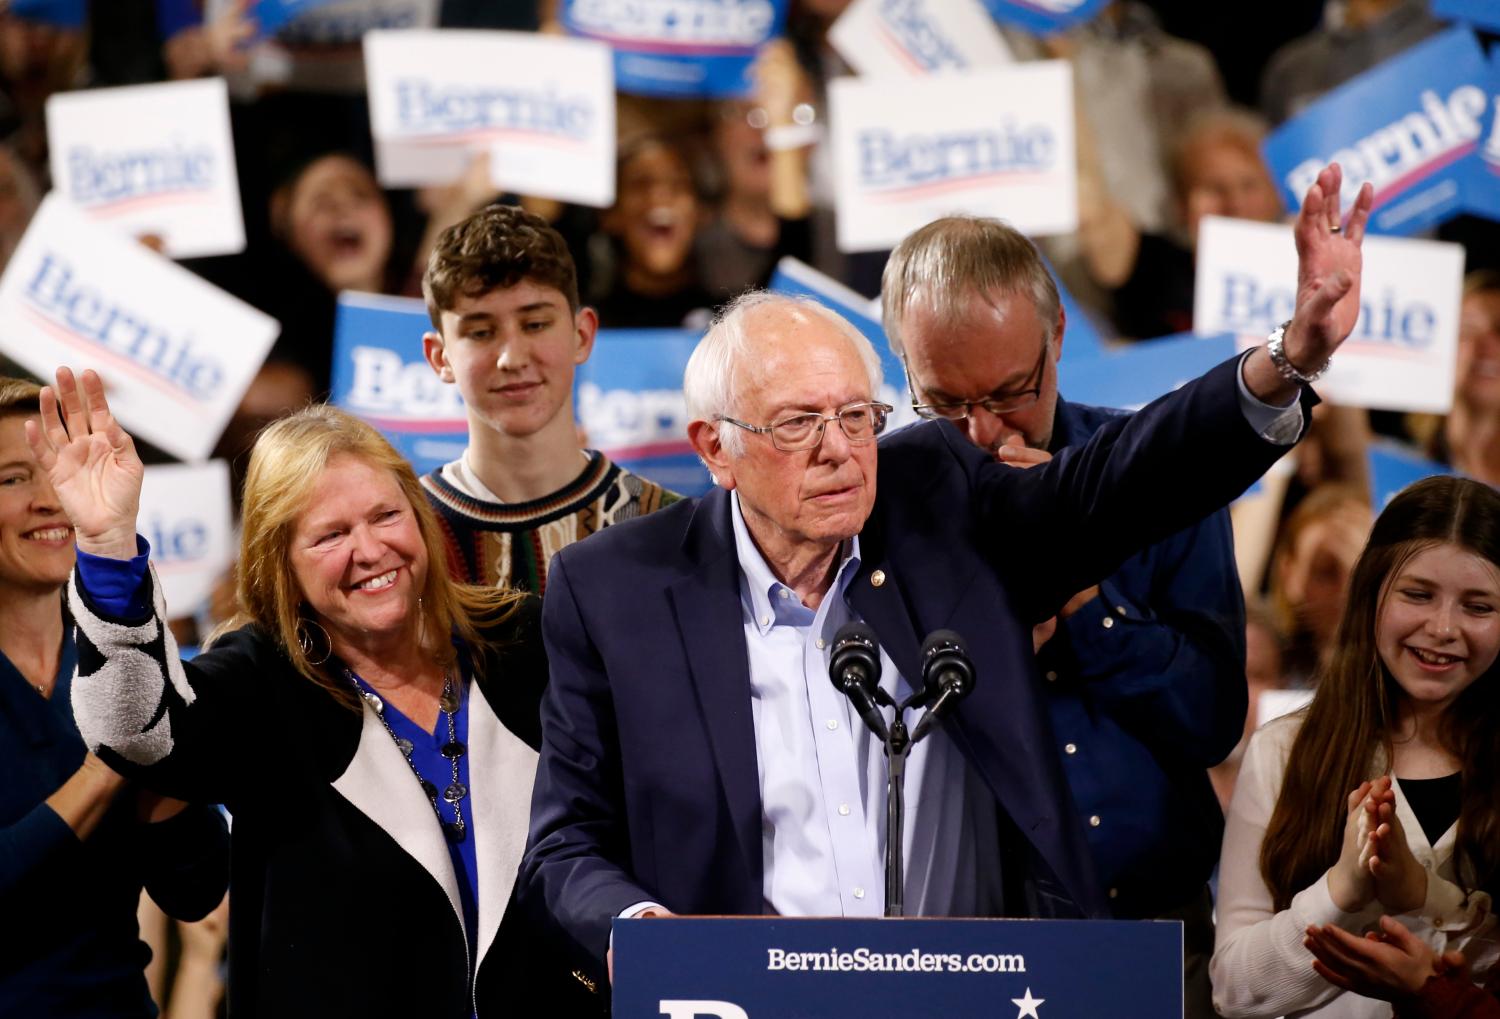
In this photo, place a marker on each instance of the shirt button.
(859, 893)
(1121, 610)
(1070, 748)
(820, 643)
(785, 593)
(832, 723)
(843, 810)
(765, 620)
(1051, 676)
(1114, 893)
(1109, 621)
(1095, 821)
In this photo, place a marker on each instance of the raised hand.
(91, 462)
(1329, 264)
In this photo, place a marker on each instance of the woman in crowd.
(1378, 798)
(1469, 436)
(370, 725)
(77, 843)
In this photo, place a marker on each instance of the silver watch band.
(1276, 347)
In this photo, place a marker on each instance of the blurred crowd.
(1173, 101)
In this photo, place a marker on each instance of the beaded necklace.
(453, 750)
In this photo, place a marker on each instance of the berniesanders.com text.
(866, 960)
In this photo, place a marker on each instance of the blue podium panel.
(783, 968)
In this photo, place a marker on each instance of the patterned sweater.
(511, 544)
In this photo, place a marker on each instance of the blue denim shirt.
(1146, 688)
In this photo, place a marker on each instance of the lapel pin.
(877, 578)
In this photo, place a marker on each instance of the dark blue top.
(1146, 688)
(69, 945)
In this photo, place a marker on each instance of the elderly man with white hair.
(696, 758)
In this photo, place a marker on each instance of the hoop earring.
(307, 643)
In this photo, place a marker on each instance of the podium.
(794, 968)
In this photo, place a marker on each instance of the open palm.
(91, 462)
(1329, 261)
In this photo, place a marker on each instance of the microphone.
(854, 667)
(947, 669)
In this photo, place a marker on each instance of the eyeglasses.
(861, 423)
(1003, 403)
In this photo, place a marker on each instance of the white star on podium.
(1027, 1005)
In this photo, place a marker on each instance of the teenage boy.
(502, 292)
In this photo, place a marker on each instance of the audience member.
(1378, 797)
(1468, 438)
(1395, 965)
(508, 330)
(1145, 670)
(77, 842)
(402, 709)
(653, 226)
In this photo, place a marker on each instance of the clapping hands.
(1376, 864)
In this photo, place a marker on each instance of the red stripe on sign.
(125, 364)
(692, 49)
(425, 426)
(491, 134)
(123, 205)
(901, 52)
(914, 192)
(1400, 184)
(648, 450)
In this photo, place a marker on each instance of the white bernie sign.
(996, 142)
(914, 38)
(185, 515)
(176, 353)
(1403, 350)
(151, 160)
(543, 107)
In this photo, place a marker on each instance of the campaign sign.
(62, 13)
(1482, 190)
(908, 151)
(798, 279)
(185, 515)
(1402, 353)
(1410, 127)
(1134, 375)
(271, 15)
(380, 375)
(1393, 467)
(543, 107)
(917, 37)
(628, 398)
(176, 352)
(773, 967)
(679, 48)
(1483, 14)
(152, 160)
(1044, 17)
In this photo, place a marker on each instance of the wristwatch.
(1276, 347)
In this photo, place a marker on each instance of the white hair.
(710, 383)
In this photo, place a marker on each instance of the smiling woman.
(76, 842)
(1380, 796)
(370, 724)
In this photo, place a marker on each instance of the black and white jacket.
(343, 897)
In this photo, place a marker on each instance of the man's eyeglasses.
(861, 423)
(997, 404)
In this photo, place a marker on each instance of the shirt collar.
(761, 593)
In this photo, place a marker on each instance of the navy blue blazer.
(647, 786)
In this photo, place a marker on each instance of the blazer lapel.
(502, 769)
(380, 784)
(706, 603)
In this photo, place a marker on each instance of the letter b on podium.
(694, 1009)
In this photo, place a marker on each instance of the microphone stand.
(897, 746)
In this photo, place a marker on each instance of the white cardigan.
(1260, 967)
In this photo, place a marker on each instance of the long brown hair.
(1346, 732)
(285, 464)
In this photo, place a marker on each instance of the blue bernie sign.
(380, 375)
(1044, 17)
(777, 967)
(1482, 194)
(271, 15)
(1133, 376)
(1479, 13)
(679, 48)
(1411, 126)
(61, 13)
(1393, 467)
(628, 398)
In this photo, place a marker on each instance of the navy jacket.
(647, 787)
(1146, 690)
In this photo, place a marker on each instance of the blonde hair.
(285, 465)
(19, 396)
